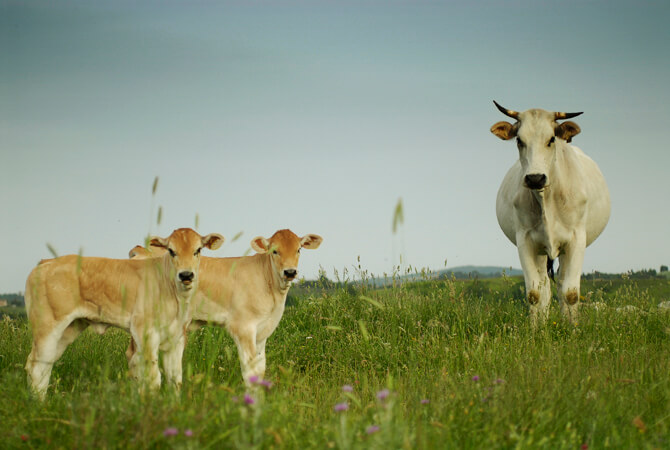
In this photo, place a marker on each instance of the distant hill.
(480, 271)
(459, 272)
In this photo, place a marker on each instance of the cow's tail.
(550, 268)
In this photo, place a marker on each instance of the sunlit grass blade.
(371, 301)
(398, 216)
(52, 250)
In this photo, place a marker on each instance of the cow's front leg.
(260, 352)
(143, 365)
(172, 362)
(538, 287)
(569, 275)
(251, 362)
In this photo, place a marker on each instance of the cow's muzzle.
(290, 274)
(535, 181)
(186, 277)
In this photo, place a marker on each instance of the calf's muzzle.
(186, 276)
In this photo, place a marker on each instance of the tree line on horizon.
(323, 282)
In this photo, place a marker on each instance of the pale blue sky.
(318, 116)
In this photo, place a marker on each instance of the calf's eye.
(551, 141)
(197, 252)
(172, 253)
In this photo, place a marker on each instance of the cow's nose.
(290, 273)
(186, 276)
(535, 180)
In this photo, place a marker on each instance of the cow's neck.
(181, 298)
(277, 285)
(544, 230)
(548, 201)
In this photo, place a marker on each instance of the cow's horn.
(562, 115)
(507, 112)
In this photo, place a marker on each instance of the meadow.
(421, 365)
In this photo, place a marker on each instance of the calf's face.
(284, 249)
(183, 248)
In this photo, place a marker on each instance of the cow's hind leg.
(39, 365)
(45, 352)
(71, 333)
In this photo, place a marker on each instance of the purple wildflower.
(266, 383)
(188, 432)
(248, 399)
(341, 407)
(372, 429)
(253, 379)
(425, 401)
(383, 394)
(348, 388)
(475, 378)
(170, 432)
(499, 381)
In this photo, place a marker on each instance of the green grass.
(461, 364)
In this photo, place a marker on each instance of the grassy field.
(433, 364)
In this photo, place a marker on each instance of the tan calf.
(149, 298)
(247, 294)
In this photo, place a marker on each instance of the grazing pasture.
(429, 364)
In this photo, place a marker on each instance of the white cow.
(552, 203)
(148, 298)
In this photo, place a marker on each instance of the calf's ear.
(260, 244)
(156, 241)
(567, 130)
(311, 241)
(213, 241)
(136, 252)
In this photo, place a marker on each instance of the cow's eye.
(551, 141)
(298, 251)
(197, 252)
(172, 253)
(275, 252)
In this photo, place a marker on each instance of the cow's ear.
(156, 241)
(567, 130)
(311, 241)
(504, 130)
(260, 244)
(136, 252)
(212, 241)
